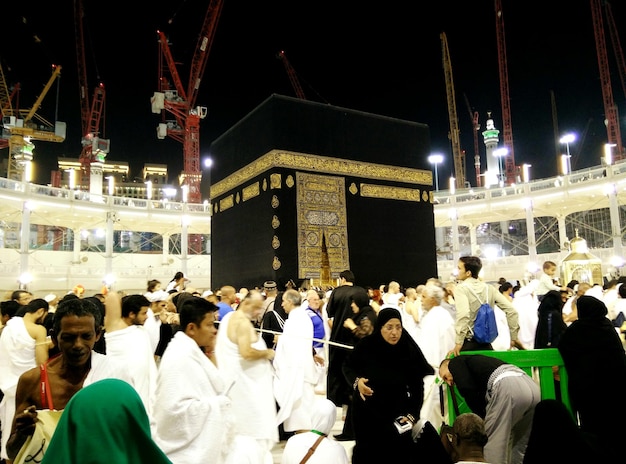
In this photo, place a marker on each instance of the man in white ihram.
(244, 362)
(295, 372)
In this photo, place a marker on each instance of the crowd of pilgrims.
(183, 375)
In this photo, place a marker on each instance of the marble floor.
(277, 451)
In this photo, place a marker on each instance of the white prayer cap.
(207, 293)
(50, 297)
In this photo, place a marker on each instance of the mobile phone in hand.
(402, 427)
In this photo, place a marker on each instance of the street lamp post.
(567, 139)
(435, 160)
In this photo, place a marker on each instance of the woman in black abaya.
(386, 371)
(550, 325)
(594, 358)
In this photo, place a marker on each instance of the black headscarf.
(555, 437)
(591, 309)
(591, 349)
(362, 300)
(550, 325)
(405, 351)
(385, 315)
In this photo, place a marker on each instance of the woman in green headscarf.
(104, 422)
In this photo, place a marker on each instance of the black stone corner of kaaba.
(303, 190)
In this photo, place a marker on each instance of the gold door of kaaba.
(321, 213)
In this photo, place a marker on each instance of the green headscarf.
(104, 422)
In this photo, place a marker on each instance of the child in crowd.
(547, 280)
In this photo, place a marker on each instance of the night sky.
(382, 58)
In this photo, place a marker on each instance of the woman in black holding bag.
(386, 371)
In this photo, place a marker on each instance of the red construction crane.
(293, 77)
(617, 47)
(181, 101)
(94, 148)
(507, 131)
(610, 108)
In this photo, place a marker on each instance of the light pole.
(500, 153)
(435, 160)
(567, 139)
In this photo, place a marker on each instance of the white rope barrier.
(313, 339)
(328, 342)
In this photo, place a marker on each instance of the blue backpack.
(485, 327)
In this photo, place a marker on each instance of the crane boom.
(453, 135)
(56, 73)
(203, 47)
(507, 130)
(617, 47)
(80, 61)
(291, 73)
(181, 102)
(610, 108)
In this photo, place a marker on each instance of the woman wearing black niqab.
(595, 361)
(386, 370)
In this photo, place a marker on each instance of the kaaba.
(303, 190)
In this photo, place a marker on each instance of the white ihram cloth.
(295, 374)
(436, 339)
(153, 327)
(17, 355)
(103, 367)
(131, 346)
(193, 419)
(503, 340)
(253, 407)
(328, 451)
(527, 304)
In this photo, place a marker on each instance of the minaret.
(490, 136)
